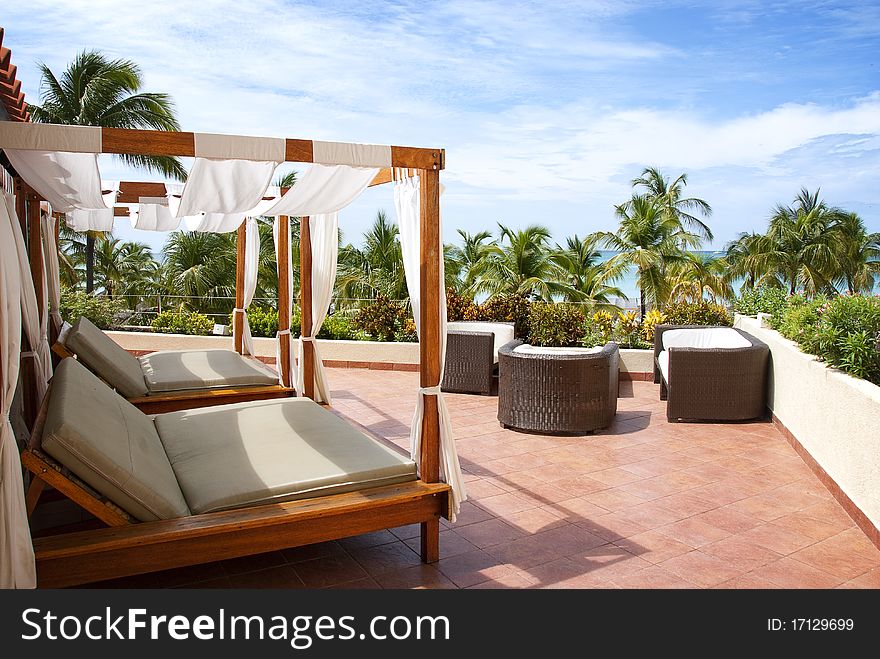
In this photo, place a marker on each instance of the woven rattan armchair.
(712, 383)
(471, 356)
(557, 393)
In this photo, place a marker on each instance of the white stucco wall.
(631, 361)
(834, 416)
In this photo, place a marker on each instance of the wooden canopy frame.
(127, 549)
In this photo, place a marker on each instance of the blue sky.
(546, 110)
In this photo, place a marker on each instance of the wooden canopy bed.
(126, 547)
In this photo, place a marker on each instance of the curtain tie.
(430, 391)
(307, 338)
(280, 332)
(239, 309)
(28, 353)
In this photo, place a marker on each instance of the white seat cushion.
(503, 332)
(527, 349)
(179, 370)
(232, 456)
(663, 364)
(110, 444)
(106, 358)
(710, 337)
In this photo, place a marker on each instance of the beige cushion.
(110, 444)
(663, 364)
(177, 370)
(503, 332)
(106, 358)
(527, 349)
(709, 337)
(231, 456)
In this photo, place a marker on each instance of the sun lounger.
(170, 379)
(282, 462)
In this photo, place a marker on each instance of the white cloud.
(510, 89)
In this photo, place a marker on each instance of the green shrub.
(100, 309)
(624, 327)
(338, 327)
(761, 300)
(381, 318)
(264, 321)
(407, 332)
(556, 324)
(507, 309)
(843, 331)
(460, 307)
(184, 322)
(697, 313)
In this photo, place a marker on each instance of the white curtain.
(17, 569)
(53, 272)
(324, 234)
(225, 187)
(294, 377)
(324, 189)
(66, 180)
(95, 219)
(35, 327)
(251, 266)
(406, 203)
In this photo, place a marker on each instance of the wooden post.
(429, 345)
(284, 296)
(237, 316)
(305, 282)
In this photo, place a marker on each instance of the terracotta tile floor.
(643, 504)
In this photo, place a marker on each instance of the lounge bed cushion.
(232, 456)
(663, 364)
(179, 370)
(110, 444)
(503, 332)
(527, 349)
(710, 337)
(115, 365)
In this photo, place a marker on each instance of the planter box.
(833, 416)
(634, 364)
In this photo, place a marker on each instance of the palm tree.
(520, 263)
(675, 206)
(589, 278)
(699, 275)
(803, 244)
(376, 268)
(747, 258)
(124, 268)
(96, 91)
(650, 239)
(469, 259)
(200, 267)
(858, 254)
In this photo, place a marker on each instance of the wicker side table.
(558, 393)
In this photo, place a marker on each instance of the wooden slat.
(147, 142)
(61, 350)
(305, 287)
(130, 192)
(151, 546)
(428, 159)
(238, 316)
(384, 176)
(429, 344)
(33, 494)
(40, 468)
(172, 143)
(208, 397)
(284, 284)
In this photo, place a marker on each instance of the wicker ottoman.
(557, 391)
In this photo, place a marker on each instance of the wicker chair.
(557, 393)
(712, 384)
(471, 358)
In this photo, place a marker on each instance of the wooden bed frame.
(126, 548)
(173, 401)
